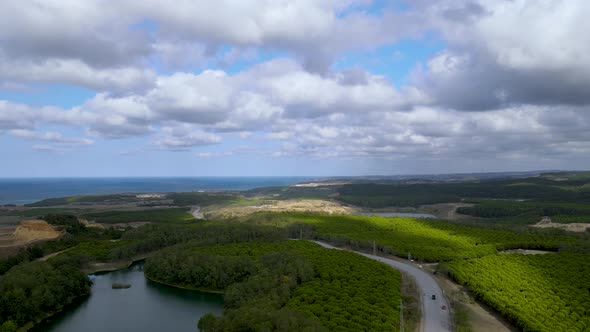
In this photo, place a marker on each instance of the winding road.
(434, 318)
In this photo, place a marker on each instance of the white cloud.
(502, 53)
(183, 138)
(202, 98)
(519, 66)
(54, 137)
(75, 72)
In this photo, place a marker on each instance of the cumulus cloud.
(128, 34)
(513, 80)
(89, 31)
(504, 53)
(248, 101)
(54, 137)
(184, 137)
(75, 72)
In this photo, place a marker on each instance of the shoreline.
(203, 290)
(113, 266)
(71, 302)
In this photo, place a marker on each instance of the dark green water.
(145, 307)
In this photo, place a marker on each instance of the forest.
(270, 283)
(166, 215)
(288, 285)
(32, 290)
(547, 292)
(558, 211)
(426, 240)
(543, 189)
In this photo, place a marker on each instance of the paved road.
(434, 319)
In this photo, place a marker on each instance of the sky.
(292, 87)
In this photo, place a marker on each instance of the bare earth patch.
(303, 205)
(27, 232)
(32, 230)
(573, 227)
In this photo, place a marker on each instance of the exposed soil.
(12, 238)
(196, 212)
(303, 205)
(572, 227)
(30, 231)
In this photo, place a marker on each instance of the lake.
(398, 214)
(146, 306)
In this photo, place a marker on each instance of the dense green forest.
(288, 285)
(270, 283)
(35, 251)
(104, 199)
(547, 292)
(149, 238)
(558, 211)
(32, 290)
(167, 215)
(428, 240)
(179, 199)
(545, 189)
(292, 192)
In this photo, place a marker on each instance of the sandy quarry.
(13, 238)
(573, 227)
(303, 205)
(32, 230)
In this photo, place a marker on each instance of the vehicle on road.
(444, 307)
(433, 297)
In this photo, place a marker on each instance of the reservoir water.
(398, 214)
(146, 306)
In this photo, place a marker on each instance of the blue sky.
(308, 87)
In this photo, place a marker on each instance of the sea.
(28, 190)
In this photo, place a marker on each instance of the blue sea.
(22, 191)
